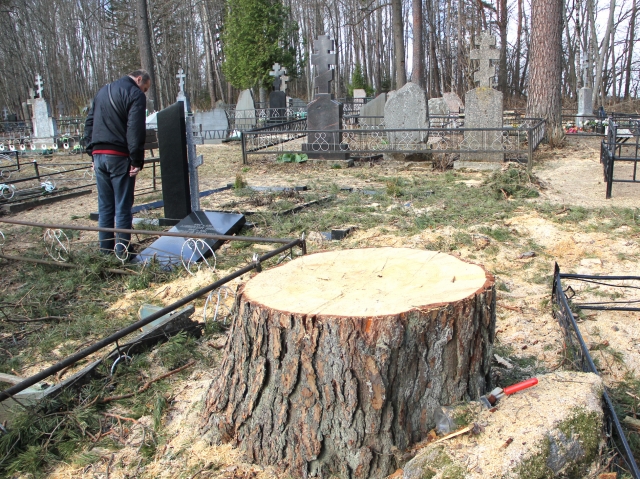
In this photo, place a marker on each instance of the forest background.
(227, 45)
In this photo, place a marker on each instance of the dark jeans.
(115, 199)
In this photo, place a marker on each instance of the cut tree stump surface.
(366, 282)
(336, 361)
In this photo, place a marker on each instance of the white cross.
(5, 112)
(486, 54)
(39, 84)
(181, 76)
(277, 73)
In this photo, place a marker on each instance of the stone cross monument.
(278, 97)
(324, 114)
(323, 61)
(44, 125)
(181, 96)
(486, 55)
(483, 109)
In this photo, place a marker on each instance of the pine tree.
(257, 34)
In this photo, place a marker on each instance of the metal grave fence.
(363, 141)
(623, 460)
(621, 145)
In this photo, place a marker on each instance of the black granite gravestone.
(277, 107)
(171, 250)
(324, 115)
(174, 166)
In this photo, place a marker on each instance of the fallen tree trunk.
(337, 360)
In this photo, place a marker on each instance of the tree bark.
(146, 54)
(338, 360)
(398, 41)
(632, 36)
(502, 65)
(417, 74)
(545, 81)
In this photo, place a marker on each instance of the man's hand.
(133, 171)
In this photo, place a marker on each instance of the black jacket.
(121, 128)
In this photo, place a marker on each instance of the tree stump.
(337, 360)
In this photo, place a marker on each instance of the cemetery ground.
(515, 224)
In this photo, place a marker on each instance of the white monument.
(181, 96)
(44, 125)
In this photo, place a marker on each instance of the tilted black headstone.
(172, 250)
(174, 166)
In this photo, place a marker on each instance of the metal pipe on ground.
(63, 265)
(30, 381)
(250, 239)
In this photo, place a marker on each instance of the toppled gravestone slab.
(553, 429)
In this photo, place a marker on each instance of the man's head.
(142, 79)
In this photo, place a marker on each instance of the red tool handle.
(520, 386)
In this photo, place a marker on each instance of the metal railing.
(622, 144)
(515, 143)
(624, 460)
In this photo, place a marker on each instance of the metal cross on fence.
(323, 61)
(485, 54)
(39, 84)
(278, 73)
(181, 76)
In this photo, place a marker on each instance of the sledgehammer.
(489, 400)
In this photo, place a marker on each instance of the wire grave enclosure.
(517, 142)
(62, 244)
(18, 136)
(255, 264)
(582, 360)
(619, 151)
(21, 182)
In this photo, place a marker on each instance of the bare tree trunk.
(631, 40)
(502, 27)
(518, 53)
(146, 54)
(417, 75)
(398, 41)
(598, 86)
(545, 82)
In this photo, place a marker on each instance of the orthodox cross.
(181, 76)
(5, 113)
(323, 61)
(485, 54)
(39, 84)
(278, 73)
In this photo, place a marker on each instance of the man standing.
(114, 136)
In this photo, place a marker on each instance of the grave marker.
(323, 61)
(174, 166)
(181, 96)
(245, 111)
(171, 250)
(5, 113)
(407, 109)
(486, 54)
(483, 109)
(44, 125)
(324, 114)
(585, 105)
(278, 97)
(372, 113)
(453, 102)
